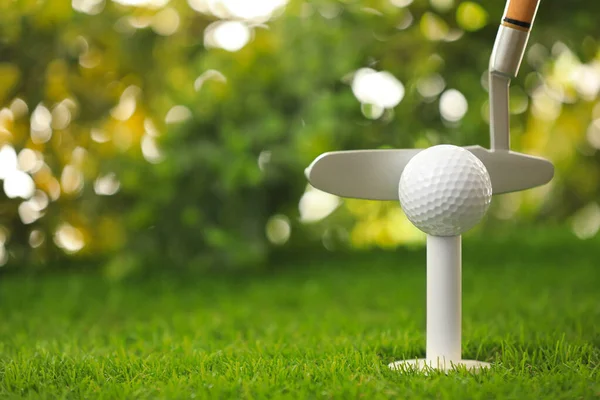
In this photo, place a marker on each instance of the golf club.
(445, 190)
(374, 174)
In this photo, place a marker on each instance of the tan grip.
(520, 13)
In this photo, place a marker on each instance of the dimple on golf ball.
(445, 190)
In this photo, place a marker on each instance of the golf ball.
(445, 190)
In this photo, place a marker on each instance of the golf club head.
(375, 174)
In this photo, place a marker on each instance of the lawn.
(316, 328)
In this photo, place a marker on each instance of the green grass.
(321, 328)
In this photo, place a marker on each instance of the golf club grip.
(520, 14)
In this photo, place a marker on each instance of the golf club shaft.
(505, 62)
(443, 300)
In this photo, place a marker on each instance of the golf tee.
(443, 300)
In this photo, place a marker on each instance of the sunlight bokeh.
(159, 127)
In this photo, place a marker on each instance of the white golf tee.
(444, 315)
(443, 300)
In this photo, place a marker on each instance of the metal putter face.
(374, 174)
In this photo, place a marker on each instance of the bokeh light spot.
(39, 200)
(371, 111)
(228, 35)
(28, 213)
(586, 222)
(442, 5)
(593, 134)
(127, 104)
(471, 16)
(41, 120)
(278, 229)
(4, 235)
(3, 256)
(61, 116)
(586, 79)
(71, 180)
(406, 22)
(150, 150)
(143, 3)
(264, 158)
(257, 11)
(431, 86)
(433, 27)
(19, 108)
(379, 89)
(69, 238)
(99, 136)
(91, 7)
(177, 114)
(166, 22)
(211, 74)
(545, 106)
(30, 160)
(107, 185)
(453, 105)
(200, 6)
(315, 205)
(401, 3)
(36, 238)
(18, 184)
(8, 161)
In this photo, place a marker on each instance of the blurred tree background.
(173, 134)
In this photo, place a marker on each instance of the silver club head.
(375, 174)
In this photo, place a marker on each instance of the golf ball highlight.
(445, 190)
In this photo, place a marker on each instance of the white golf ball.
(445, 190)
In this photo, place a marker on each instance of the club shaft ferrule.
(508, 51)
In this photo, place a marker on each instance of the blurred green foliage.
(153, 146)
